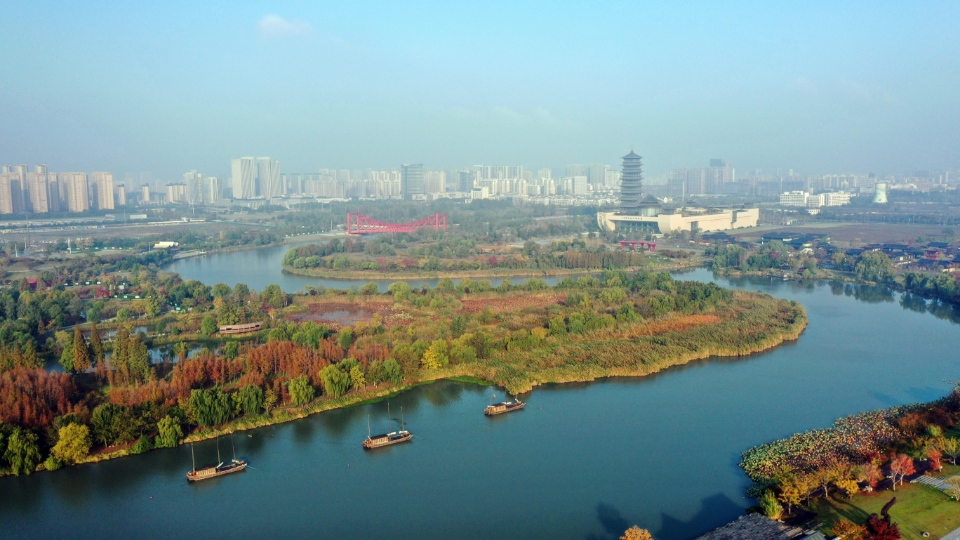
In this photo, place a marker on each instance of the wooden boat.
(503, 407)
(386, 439)
(206, 473)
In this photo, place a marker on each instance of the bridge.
(358, 223)
(633, 244)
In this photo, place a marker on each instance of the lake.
(581, 461)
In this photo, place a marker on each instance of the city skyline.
(814, 87)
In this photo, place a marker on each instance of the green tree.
(335, 381)
(220, 290)
(231, 349)
(874, 266)
(106, 420)
(400, 290)
(23, 452)
(81, 354)
(300, 390)
(208, 326)
(392, 372)
(210, 407)
(250, 398)
(73, 443)
(357, 378)
(169, 432)
(436, 356)
(770, 505)
(458, 325)
(96, 344)
(345, 339)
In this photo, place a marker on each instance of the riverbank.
(327, 273)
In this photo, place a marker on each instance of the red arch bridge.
(358, 223)
(634, 244)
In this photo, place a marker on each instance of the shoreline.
(464, 373)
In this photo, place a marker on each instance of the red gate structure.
(358, 223)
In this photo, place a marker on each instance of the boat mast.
(368, 426)
(234, 449)
(401, 418)
(193, 458)
(218, 450)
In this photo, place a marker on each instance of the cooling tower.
(880, 196)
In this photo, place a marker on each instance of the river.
(581, 461)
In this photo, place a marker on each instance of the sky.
(166, 87)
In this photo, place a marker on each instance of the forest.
(113, 400)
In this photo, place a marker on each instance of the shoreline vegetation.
(514, 336)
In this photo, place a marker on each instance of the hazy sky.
(817, 86)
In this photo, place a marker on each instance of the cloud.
(274, 26)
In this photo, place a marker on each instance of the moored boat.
(504, 407)
(386, 439)
(213, 471)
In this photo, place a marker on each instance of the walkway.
(954, 535)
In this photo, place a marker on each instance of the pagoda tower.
(631, 184)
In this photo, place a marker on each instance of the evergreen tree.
(81, 353)
(96, 344)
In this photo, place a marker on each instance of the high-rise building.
(211, 190)
(145, 194)
(54, 198)
(411, 180)
(38, 192)
(631, 184)
(176, 193)
(120, 195)
(9, 190)
(194, 183)
(435, 182)
(243, 178)
(77, 193)
(465, 181)
(268, 173)
(42, 169)
(102, 184)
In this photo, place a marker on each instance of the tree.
(935, 456)
(300, 390)
(849, 530)
(436, 356)
(208, 326)
(770, 505)
(250, 398)
(96, 344)
(81, 354)
(106, 420)
(345, 339)
(357, 379)
(951, 447)
(335, 381)
(23, 452)
(210, 407)
(73, 443)
(169, 432)
(636, 533)
(900, 466)
(392, 372)
(953, 487)
(458, 325)
(871, 474)
(220, 290)
(881, 529)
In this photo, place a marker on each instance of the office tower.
(243, 178)
(38, 192)
(102, 184)
(411, 180)
(268, 173)
(465, 181)
(194, 183)
(77, 194)
(631, 184)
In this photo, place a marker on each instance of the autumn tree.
(871, 474)
(770, 505)
(23, 452)
(73, 443)
(953, 487)
(81, 353)
(950, 446)
(357, 379)
(900, 466)
(436, 356)
(849, 530)
(935, 456)
(881, 529)
(636, 533)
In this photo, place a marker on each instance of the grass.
(918, 509)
